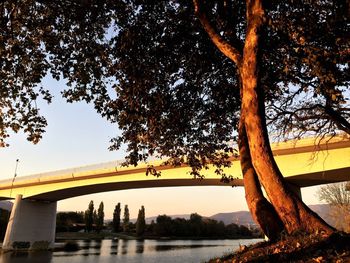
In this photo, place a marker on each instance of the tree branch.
(226, 48)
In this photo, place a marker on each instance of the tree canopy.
(151, 68)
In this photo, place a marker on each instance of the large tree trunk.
(261, 209)
(295, 215)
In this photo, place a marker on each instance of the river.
(133, 251)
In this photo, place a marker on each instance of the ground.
(298, 248)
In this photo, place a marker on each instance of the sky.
(76, 136)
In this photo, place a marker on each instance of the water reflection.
(131, 251)
(175, 247)
(96, 245)
(86, 244)
(140, 246)
(125, 246)
(26, 257)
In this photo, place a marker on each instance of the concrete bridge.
(33, 217)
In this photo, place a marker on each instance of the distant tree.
(337, 196)
(100, 218)
(4, 217)
(163, 225)
(94, 218)
(89, 216)
(116, 218)
(196, 224)
(65, 220)
(141, 222)
(126, 219)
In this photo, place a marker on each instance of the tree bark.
(260, 208)
(295, 215)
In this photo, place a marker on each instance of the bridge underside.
(91, 189)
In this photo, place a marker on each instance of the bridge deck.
(302, 163)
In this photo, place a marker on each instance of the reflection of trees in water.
(97, 244)
(26, 257)
(140, 246)
(92, 244)
(125, 247)
(176, 247)
(86, 244)
(114, 246)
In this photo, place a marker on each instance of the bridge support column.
(31, 225)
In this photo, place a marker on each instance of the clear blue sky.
(77, 136)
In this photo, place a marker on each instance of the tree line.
(89, 220)
(197, 226)
(163, 226)
(126, 226)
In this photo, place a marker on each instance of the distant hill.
(7, 205)
(323, 210)
(244, 217)
(239, 218)
(154, 218)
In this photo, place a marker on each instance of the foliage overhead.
(152, 69)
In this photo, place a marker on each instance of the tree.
(89, 216)
(196, 223)
(116, 218)
(183, 86)
(163, 226)
(4, 218)
(100, 218)
(65, 221)
(141, 222)
(126, 219)
(337, 196)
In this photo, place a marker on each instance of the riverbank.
(313, 248)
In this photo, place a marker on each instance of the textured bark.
(295, 215)
(261, 209)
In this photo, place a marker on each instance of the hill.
(244, 217)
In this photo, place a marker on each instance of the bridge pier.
(31, 225)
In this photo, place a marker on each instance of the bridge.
(33, 217)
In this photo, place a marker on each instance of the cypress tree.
(126, 219)
(100, 217)
(89, 216)
(141, 222)
(116, 218)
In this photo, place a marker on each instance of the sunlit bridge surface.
(302, 163)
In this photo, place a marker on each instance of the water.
(133, 251)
